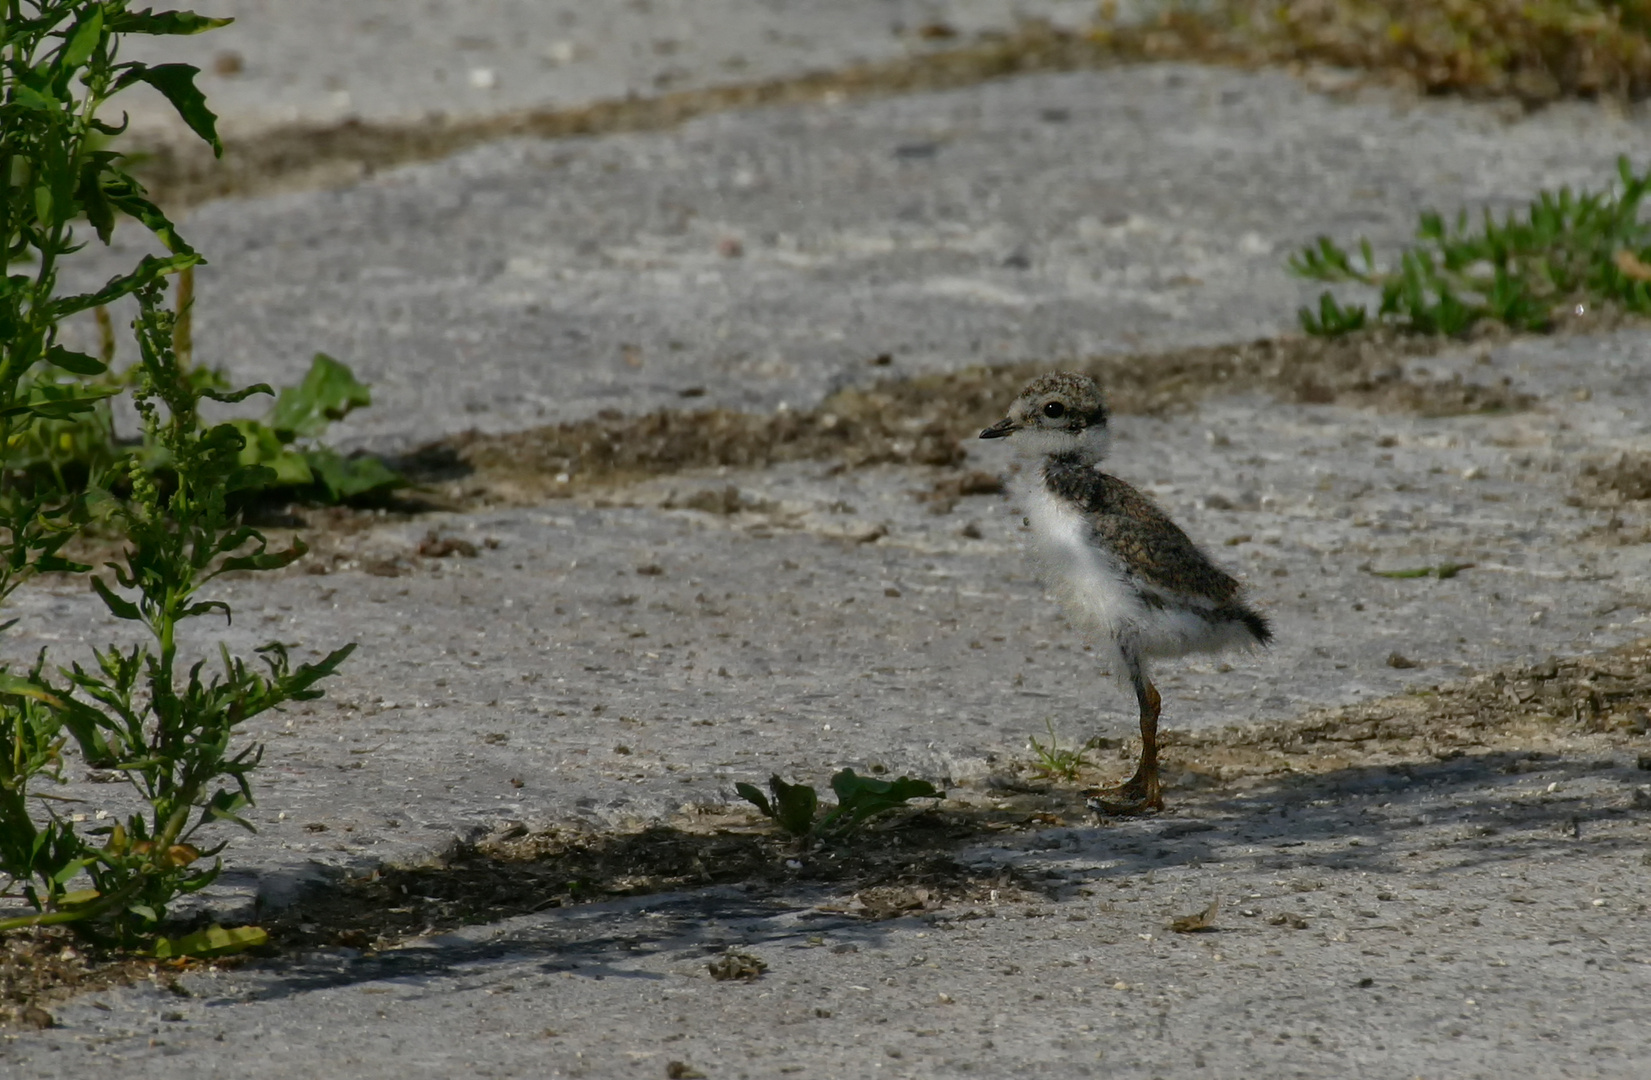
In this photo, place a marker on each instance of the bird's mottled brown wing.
(1128, 523)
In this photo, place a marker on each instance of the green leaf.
(126, 195)
(230, 397)
(262, 560)
(206, 607)
(149, 21)
(264, 447)
(347, 478)
(57, 564)
(226, 806)
(67, 873)
(329, 391)
(177, 83)
(213, 941)
(94, 201)
(77, 363)
(87, 33)
(30, 98)
(752, 795)
(150, 269)
(862, 797)
(144, 912)
(86, 724)
(297, 685)
(794, 806)
(120, 608)
(51, 402)
(21, 687)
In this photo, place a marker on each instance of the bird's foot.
(1134, 796)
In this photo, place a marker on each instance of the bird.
(1125, 572)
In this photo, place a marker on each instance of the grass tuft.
(1057, 762)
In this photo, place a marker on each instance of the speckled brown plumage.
(1152, 546)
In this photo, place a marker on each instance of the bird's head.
(1058, 414)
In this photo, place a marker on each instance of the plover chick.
(1126, 573)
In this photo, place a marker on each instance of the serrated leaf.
(57, 402)
(20, 687)
(57, 564)
(263, 446)
(206, 607)
(272, 560)
(150, 269)
(94, 202)
(128, 197)
(177, 83)
(120, 608)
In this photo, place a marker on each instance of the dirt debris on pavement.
(925, 419)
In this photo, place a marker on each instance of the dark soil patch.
(892, 868)
(41, 965)
(924, 420)
(1624, 477)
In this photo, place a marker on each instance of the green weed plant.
(140, 711)
(1588, 249)
(167, 721)
(287, 441)
(795, 807)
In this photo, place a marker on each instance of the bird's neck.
(1071, 458)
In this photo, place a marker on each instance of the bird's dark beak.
(1000, 430)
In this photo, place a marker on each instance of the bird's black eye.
(1054, 410)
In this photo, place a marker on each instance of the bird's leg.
(1142, 791)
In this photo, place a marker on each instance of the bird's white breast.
(1087, 580)
(1099, 591)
